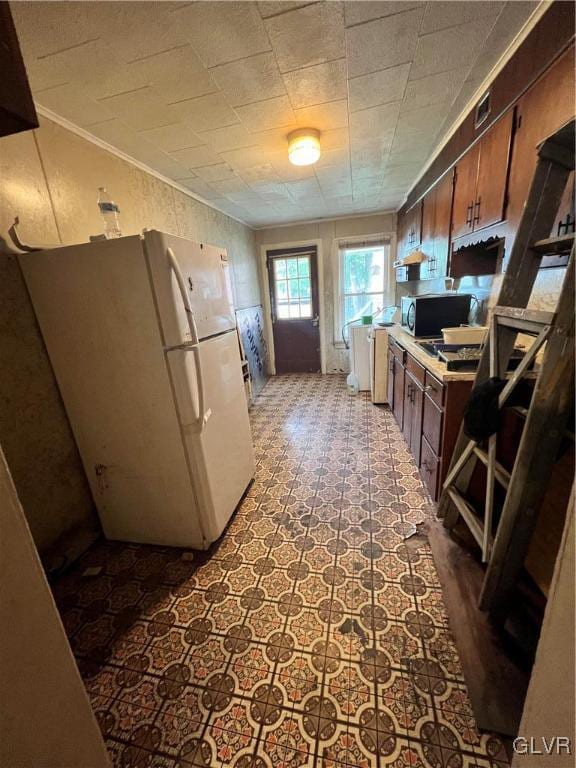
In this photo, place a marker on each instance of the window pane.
(357, 306)
(293, 289)
(304, 288)
(283, 310)
(279, 269)
(281, 290)
(306, 309)
(292, 266)
(304, 266)
(294, 309)
(363, 270)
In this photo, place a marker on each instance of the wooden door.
(428, 266)
(390, 382)
(493, 173)
(442, 220)
(398, 407)
(294, 297)
(465, 192)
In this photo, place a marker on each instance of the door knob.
(316, 320)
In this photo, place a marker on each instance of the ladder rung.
(561, 244)
(526, 315)
(500, 472)
(468, 514)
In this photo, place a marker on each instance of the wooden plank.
(468, 515)
(550, 245)
(500, 472)
(528, 315)
(495, 681)
(551, 405)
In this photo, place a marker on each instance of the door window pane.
(292, 288)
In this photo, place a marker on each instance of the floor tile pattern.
(313, 634)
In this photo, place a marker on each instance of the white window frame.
(389, 283)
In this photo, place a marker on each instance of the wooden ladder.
(553, 395)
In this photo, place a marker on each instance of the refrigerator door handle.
(195, 348)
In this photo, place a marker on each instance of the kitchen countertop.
(432, 364)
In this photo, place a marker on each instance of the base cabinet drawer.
(429, 468)
(432, 424)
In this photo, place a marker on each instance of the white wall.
(325, 233)
(46, 720)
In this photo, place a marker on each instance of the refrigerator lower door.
(204, 274)
(219, 448)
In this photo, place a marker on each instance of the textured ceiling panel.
(206, 93)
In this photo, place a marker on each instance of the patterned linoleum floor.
(313, 635)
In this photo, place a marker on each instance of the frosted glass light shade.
(304, 146)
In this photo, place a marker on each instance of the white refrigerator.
(141, 334)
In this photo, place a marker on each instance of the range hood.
(414, 257)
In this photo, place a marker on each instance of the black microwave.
(426, 315)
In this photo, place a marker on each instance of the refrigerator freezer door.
(220, 451)
(204, 270)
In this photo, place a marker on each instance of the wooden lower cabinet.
(428, 412)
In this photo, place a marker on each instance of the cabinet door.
(493, 173)
(416, 427)
(407, 421)
(542, 110)
(464, 192)
(442, 219)
(398, 407)
(390, 382)
(428, 267)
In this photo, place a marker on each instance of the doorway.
(295, 305)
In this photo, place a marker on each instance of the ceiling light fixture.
(304, 146)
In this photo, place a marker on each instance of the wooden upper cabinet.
(17, 111)
(442, 219)
(493, 173)
(465, 192)
(547, 106)
(413, 227)
(481, 177)
(427, 268)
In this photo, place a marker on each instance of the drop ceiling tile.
(306, 188)
(216, 172)
(333, 158)
(229, 186)
(324, 117)
(244, 158)
(141, 109)
(167, 166)
(201, 188)
(272, 113)
(71, 103)
(435, 89)
(378, 87)
(275, 7)
(307, 36)
(317, 84)
(257, 174)
(46, 27)
(252, 79)
(375, 123)
(450, 48)
(206, 112)
(270, 190)
(286, 171)
(172, 137)
(441, 15)
(382, 43)
(358, 11)
(248, 198)
(230, 137)
(222, 32)
(196, 157)
(426, 118)
(177, 74)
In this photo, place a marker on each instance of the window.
(364, 283)
(292, 292)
